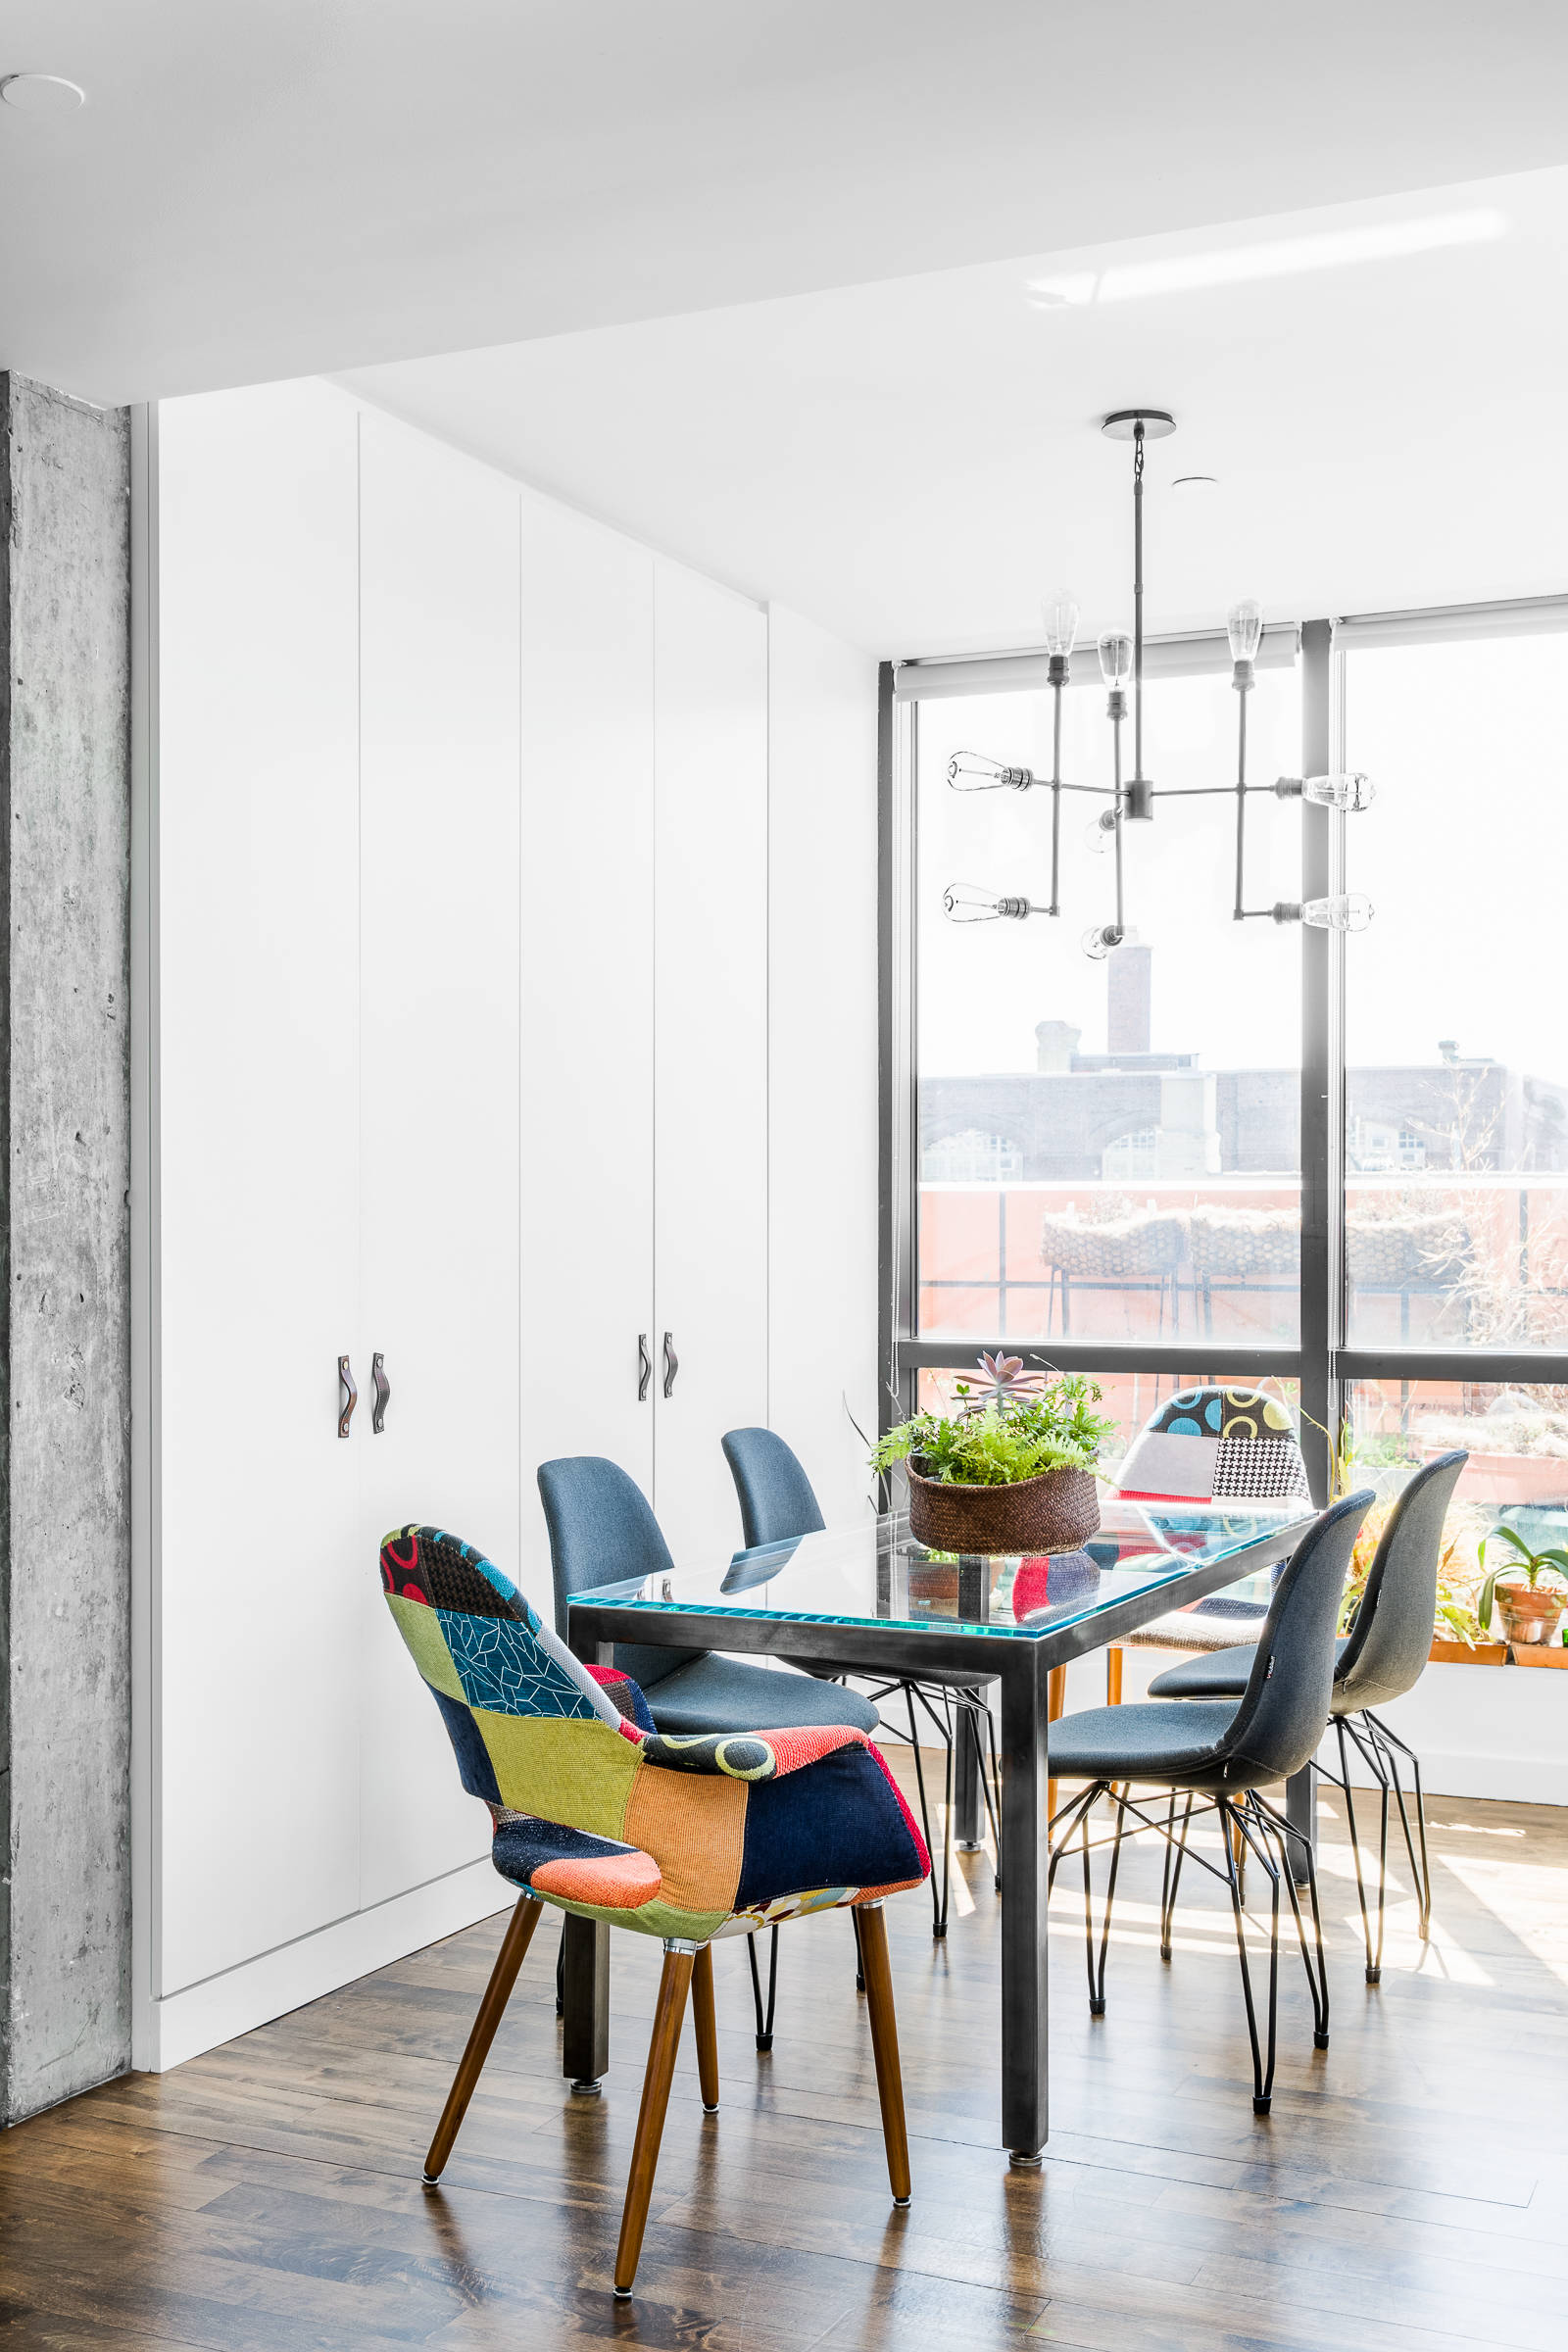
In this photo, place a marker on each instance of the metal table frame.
(1023, 1660)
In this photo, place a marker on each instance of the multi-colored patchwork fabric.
(595, 1811)
(1211, 1445)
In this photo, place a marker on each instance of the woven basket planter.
(1243, 1244)
(1054, 1512)
(1118, 1251)
(1395, 1251)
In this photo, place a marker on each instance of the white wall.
(822, 1054)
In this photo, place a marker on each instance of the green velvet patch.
(420, 1629)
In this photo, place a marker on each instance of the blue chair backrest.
(602, 1531)
(775, 1494)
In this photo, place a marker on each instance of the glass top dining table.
(869, 1600)
(875, 1575)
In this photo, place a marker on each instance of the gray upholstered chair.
(1219, 1755)
(778, 1505)
(1380, 1658)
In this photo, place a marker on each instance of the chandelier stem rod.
(1241, 805)
(1056, 803)
(1138, 605)
(1117, 807)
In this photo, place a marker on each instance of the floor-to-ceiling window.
(1103, 1161)
(1456, 1052)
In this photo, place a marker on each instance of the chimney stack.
(1127, 984)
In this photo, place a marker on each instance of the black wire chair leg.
(1097, 1976)
(939, 1899)
(1374, 1959)
(1418, 1867)
(1175, 1856)
(765, 2023)
(944, 1727)
(970, 1719)
(996, 1783)
(1070, 1814)
(561, 1971)
(859, 1956)
(1317, 1977)
(1424, 1877)
(1263, 2070)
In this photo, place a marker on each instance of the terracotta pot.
(1054, 1512)
(1460, 1654)
(1530, 1615)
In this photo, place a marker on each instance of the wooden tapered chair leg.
(514, 1944)
(885, 2047)
(1113, 1676)
(706, 2022)
(669, 2014)
(1055, 1701)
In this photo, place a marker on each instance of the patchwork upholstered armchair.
(687, 1839)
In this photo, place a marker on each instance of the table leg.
(585, 2004)
(585, 1972)
(1300, 1811)
(1024, 1857)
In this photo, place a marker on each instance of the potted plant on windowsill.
(1531, 1608)
(1010, 1471)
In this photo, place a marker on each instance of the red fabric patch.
(629, 1730)
(910, 1822)
(399, 1563)
(612, 1882)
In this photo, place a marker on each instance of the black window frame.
(1321, 1360)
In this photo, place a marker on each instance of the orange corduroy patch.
(612, 1882)
(695, 1827)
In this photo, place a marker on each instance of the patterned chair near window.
(684, 1837)
(1210, 1445)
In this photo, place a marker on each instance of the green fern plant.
(1056, 1428)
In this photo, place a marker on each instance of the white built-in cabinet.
(457, 1055)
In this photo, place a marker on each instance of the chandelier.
(1130, 800)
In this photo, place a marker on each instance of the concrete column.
(65, 1106)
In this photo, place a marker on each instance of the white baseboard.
(198, 2019)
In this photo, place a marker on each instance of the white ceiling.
(914, 462)
(301, 185)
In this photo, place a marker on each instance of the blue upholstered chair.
(684, 1840)
(777, 1503)
(1218, 1755)
(602, 1531)
(1380, 1658)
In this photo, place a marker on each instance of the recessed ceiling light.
(41, 93)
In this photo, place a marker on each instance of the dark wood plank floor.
(1409, 2191)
